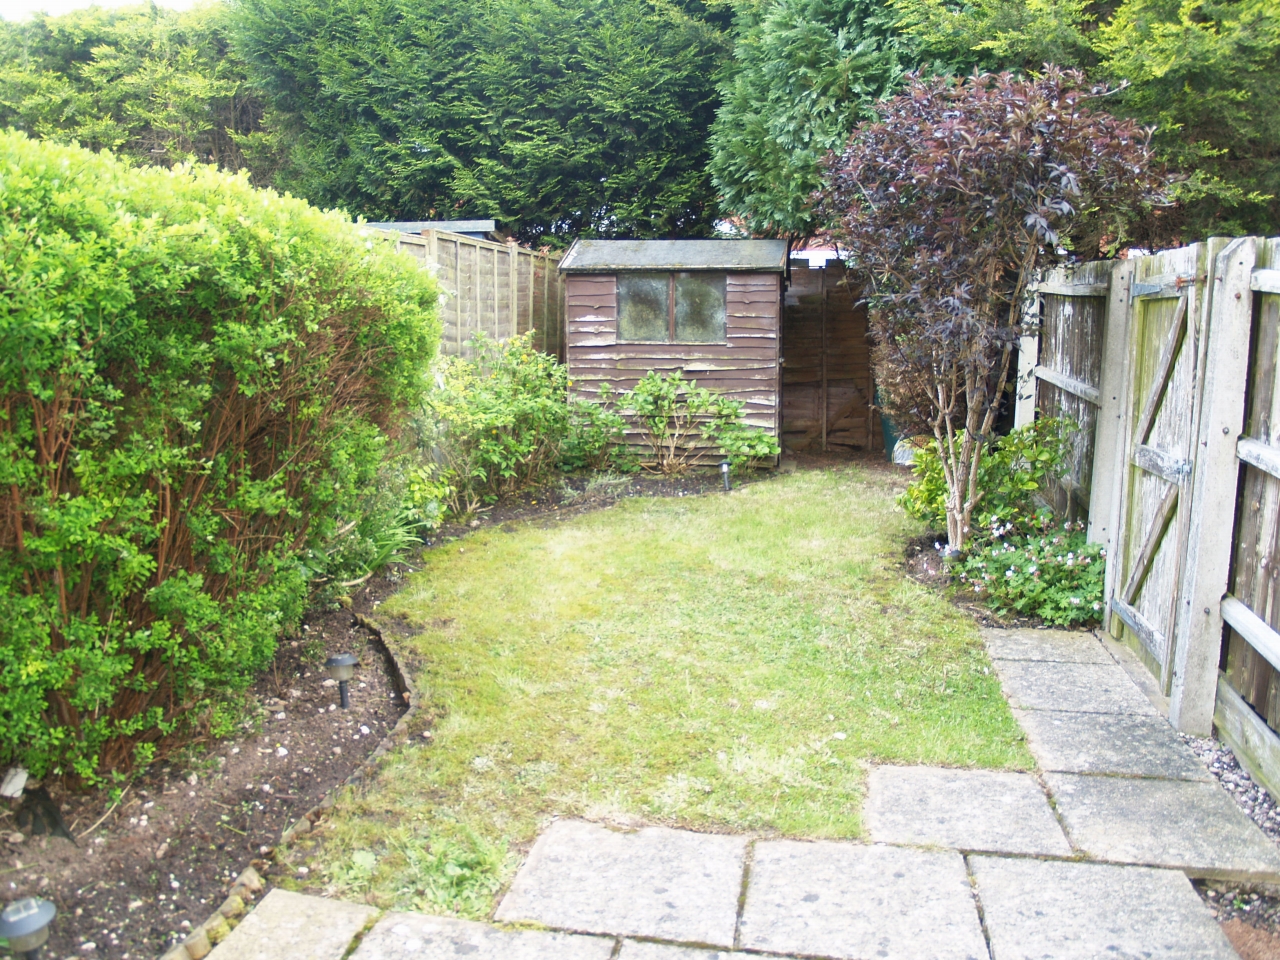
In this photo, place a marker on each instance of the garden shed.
(727, 312)
(709, 307)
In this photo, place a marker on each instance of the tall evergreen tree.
(566, 118)
(804, 73)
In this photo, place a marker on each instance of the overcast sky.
(17, 9)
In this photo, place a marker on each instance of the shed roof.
(606, 256)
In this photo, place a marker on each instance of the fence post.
(513, 267)
(1198, 635)
(1024, 403)
(1108, 455)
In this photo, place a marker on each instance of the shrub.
(1010, 475)
(1055, 576)
(681, 422)
(504, 420)
(198, 381)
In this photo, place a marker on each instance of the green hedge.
(197, 379)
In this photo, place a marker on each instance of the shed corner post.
(1024, 404)
(1213, 486)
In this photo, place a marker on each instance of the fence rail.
(499, 289)
(1170, 364)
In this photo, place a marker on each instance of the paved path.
(1088, 859)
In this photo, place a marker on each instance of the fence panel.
(1063, 375)
(498, 289)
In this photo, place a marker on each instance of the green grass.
(719, 662)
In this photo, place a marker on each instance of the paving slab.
(1188, 824)
(856, 902)
(641, 950)
(415, 936)
(971, 810)
(656, 882)
(292, 925)
(1115, 743)
(1056, 646)
(1036, 909)
(1072, 687)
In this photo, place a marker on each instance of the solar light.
(342, 668)
(724, 472)
(25, 924)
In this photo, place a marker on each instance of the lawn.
(723, 662)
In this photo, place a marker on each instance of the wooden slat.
(1259, 454)
(1071, 289)
(1155, 536)
(1063, 382)
(1265, 280)
(1256, 746)
(1253, 628)
(1142, 628)
(1168, 359)
(1161, 464)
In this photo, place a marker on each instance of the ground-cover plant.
(197, 380)
(728, 661)
(949, 203)
(682, 422)
(1056, 576)
(503, 421)
(1011, 477)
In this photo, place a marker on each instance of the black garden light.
(342, 668)
(25, 924)
(724, 472)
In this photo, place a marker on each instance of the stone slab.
(856, 902)
(1056, 646)
(970, 810)
(1071, 687)
(1083, 911)
(1188, 824)
(299, 927)
(640, 950)
(414, 936)
(656, 882)
(1115, 743)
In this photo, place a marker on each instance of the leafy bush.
(198, 379)
(675, 414)
(1014, 469)
(505, 420)
(1056, 577)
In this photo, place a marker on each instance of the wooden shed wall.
(827, 386)
(745, 367)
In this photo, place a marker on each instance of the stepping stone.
(292, 925)
(1058, 646)
(636, 950)
(1082, 911)
(1074, 687)
(1115, 743)
(659, 883)
(414, 936)
(985, 810)
(1188, 824)
(857, 902)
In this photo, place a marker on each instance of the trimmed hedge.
(197, 379)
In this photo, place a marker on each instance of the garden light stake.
(342, 668)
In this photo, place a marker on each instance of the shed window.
(680, 307)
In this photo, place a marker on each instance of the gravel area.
(1230, 901)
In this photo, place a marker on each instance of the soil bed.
(161, 858)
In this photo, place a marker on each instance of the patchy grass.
(724, 662)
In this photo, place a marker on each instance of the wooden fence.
(499, 289)
(1169, 363)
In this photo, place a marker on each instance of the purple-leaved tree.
(947, 205)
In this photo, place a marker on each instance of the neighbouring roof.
(606, 256)
(469, 227)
